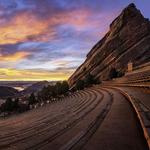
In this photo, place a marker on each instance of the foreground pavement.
(92, 119)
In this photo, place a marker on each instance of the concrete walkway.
(120, 129)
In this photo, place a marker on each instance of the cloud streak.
(31, 75)
(27, 26)
(21, 28)
(14, 57)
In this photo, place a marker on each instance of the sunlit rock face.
(127, 40)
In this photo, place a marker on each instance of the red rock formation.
(127, 40)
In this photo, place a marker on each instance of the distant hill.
(7, 91)
(23, 84)
(127, 40)
(35, 87)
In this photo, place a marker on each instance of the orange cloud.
(76, 18)
(20, 28)
(27, 26)
(14, 57)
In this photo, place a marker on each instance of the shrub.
(65, 87)
(53, 90)
(80, 85)
(89, 80)
(10, 105)
(32, 99)
(115, 73)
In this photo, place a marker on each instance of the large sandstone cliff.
(127, 40)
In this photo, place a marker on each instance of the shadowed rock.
(127, 40)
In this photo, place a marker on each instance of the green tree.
(89, 80)
(32, 99)
(8, 106)
(65, 87)
(80, 85)
(16, 104)
(58, 88)
(44, 94)
(51, 91)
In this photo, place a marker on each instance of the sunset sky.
(49, 39)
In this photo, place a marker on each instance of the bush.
(89, 80)
(32, 99)
(46, 93)
(53, 91)
(58, 88)
(10, 105)
(80, 85)
(16, 104)
(65, 87)
(115, 73)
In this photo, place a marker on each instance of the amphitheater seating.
(139, 77)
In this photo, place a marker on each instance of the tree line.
(13, 105)
(53, 91)
(47, 93)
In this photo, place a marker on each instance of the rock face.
(127, 40)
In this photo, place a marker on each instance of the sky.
(49, 39)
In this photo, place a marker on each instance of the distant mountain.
(22, 84)
(35, 87)
(127, 40)
(7, 91)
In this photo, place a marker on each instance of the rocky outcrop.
(127, 40)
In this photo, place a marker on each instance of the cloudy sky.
(49, 39)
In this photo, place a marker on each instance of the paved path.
(120, 129)
(92, 119)
(142, 94)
